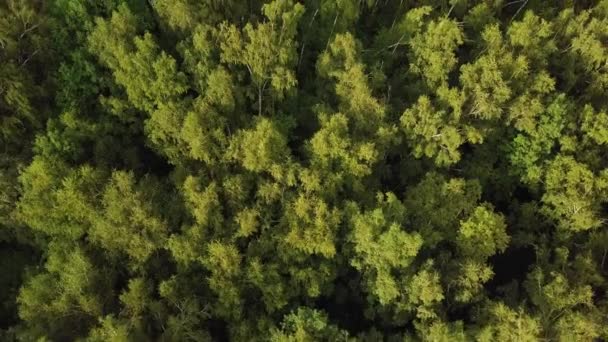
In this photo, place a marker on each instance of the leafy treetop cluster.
(320, 170)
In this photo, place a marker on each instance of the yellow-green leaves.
(136, 298)
(224, 263)
(507, 324)
(433, 51)
(204, 203)
(205, 208)
(595, 125)
(307, 325)
(57, 200)
(381, 247)
(565, 308)
(482, 234)
(313, 227)
(341, 62)
(424, 292)
(149, 76)
(129, 221)
(436, 205)
(571, 195)
(119, 215)
(431, 133)
(429, 170)
(223, 259)
(531, 148)
(578, 326)
(469, 283)
(260, 148)
(534, 36)
(438, 330)
(248, 222)
(66, 295)
(110, 329)
(203, 133)
(334, 150)
(267, 279)
(485, 84)
(584, 34)
(267, 50)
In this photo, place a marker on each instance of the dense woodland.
(322, 170)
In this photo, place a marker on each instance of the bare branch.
(28, 58)
(27, 30)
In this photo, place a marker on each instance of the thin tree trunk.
(260, 100)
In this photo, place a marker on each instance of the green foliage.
(441, 331)
(424, 292)
(23, 26)
(261, 149)
(430, 133)
(572, 195)
(333, 150)
(185, 15)
(57, 200)
(485, 85)
(223, 261)
(436, 206)
(312, 227)
(483, 234)
(381, 247)
(307, 325)
(327, 170)
(64, 299)
(149, 76)
(129, 222)
(507, 324)
(268, 50)
(531, 149)
(111, 329)
(433, 51)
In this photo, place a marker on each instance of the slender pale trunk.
(260, 100)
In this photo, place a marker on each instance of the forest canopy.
(319, 170)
